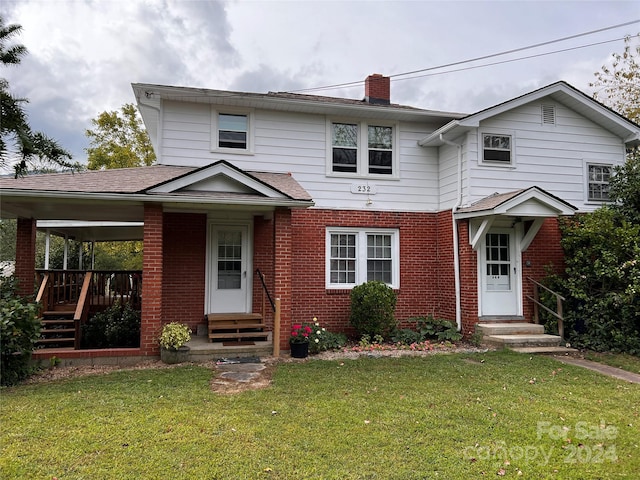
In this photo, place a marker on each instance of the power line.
(484, 57)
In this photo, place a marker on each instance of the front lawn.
(630, 363)
(442, 416)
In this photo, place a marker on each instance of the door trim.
(209, 268)
(515, 251)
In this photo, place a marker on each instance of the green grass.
(624, 361)
(443, 416)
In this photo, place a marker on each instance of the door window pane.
(498, 263)
(229, 260)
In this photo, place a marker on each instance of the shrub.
(406, 336)
(437, 328)
(116, 327)
(174, 335)
(372, 309)
(19, 331)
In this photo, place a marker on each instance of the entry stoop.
(516, 335)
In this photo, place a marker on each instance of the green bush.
(116, 327)
(427, 328)
(321, 339)
(372, 309)
(601, 282)
(19, 331)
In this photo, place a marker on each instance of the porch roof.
(120, 194)
(529, 202)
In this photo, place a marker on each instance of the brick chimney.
(377, 89)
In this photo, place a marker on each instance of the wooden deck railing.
(537, 304)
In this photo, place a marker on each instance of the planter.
(299, 350)
(180, 355)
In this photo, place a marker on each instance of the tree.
(17, 141)
(119, 140)
(619, 85)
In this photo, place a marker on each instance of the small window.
(344, 138)
(598, 182)
(358, 256)
(496, 148)
(380, 150)
(232, 131)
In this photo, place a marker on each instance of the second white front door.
(229, 287)
(498, 274)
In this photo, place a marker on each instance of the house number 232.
(363, 188)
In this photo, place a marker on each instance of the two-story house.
(455, 212)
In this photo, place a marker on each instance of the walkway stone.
(600, 368)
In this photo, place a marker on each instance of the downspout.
(456, 240)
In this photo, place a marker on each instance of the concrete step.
(545, 350)
(520, 328)
(522, 340)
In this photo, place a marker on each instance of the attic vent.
(548, 114)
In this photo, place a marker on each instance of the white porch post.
(80, 257)
(66, 252)
(47, 248)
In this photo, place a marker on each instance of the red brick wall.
(446, 273)
(151, 280)
(263, 259)
(184, 247)
(26, 255)
(283, 264)
(545, 251)
(468, 280)
(420, 269)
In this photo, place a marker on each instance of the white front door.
(229, 269)
(499, 281)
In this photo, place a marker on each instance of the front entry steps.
(236, 327)
(520, 336)
(58, 328)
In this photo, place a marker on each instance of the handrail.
(82, 308)
(43, 298)
(266, 290)
(536, 303)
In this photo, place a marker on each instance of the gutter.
(456, 239)
(155, 198)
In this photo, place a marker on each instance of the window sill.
(357, 176)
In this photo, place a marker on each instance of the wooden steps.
(58, 328)
(229, 327)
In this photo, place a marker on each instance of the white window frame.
(587, 181)
(361, 255)
(497, 163)
(215, 112)
(362, 162)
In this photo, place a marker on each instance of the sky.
(85, 54)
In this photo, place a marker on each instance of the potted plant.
(172, 342)
(299, 340)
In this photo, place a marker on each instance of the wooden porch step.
(236, 335)
(235, 326)
(58, 313)
(57, 330)
(57, 321)
(56, 340)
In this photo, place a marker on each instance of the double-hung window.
(231, 131)
(497, 149)
(598, 182)
(362, 149)
(355, 256)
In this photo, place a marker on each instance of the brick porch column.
(282, 271)
(26, 255)
(151, 280)
(468, 280)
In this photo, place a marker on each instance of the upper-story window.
(362, 149)
(344, 138)
(598, 182)
(231, 131)
(497, 148)
(380, 145)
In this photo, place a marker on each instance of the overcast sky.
(84, 54)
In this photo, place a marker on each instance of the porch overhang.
(532, 205)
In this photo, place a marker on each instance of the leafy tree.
(619, 85)
(119, 140)
(17, 141)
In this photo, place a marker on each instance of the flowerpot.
(180, 355)
(299, 350)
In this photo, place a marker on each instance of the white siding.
(295, 143)
(552, 157)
